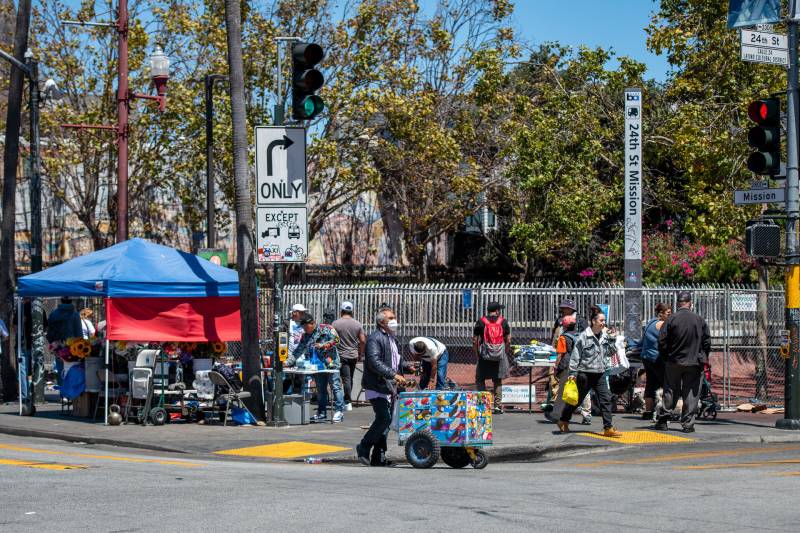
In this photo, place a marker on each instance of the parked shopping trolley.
(453, 425)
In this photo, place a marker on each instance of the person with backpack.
(491, 341)
(588, 363)
(653, 363)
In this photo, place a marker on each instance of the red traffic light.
(765, 112)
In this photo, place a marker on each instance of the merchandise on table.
(533, 352)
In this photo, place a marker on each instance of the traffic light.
(306, 80)
(765, 137)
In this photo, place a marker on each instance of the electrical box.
(283, 346)
(763, 239)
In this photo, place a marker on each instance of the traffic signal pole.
(791, 419)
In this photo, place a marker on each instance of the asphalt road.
(67, 487)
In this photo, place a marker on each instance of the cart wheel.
(713, 413)
(158, 415)
(481, 459)
(422, 449)
(455, 457)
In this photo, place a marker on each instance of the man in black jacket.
(684, 344)
(383, 372)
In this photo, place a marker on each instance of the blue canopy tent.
(173, 295)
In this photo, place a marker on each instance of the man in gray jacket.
(684, 343)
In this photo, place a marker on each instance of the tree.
(10, 163)
(245, 256)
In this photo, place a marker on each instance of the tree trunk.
(762, 322)
(8, 378)
(245, 258)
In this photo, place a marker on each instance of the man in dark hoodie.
(684, 343)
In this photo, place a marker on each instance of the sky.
(615, 24)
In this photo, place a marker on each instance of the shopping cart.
(453, 425)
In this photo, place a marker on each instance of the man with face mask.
(383, 373)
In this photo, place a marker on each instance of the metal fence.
(745, 361)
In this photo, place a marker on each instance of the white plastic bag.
(619, 361)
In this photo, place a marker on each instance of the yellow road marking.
(689, 455)
(284, 450)
(95, 456)
(739, 465)
(37, 464)
(639, 437)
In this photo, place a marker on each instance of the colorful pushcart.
(453, 425)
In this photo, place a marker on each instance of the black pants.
(684, 382)
(375, 437)
(654, 370)
(587, 382)
(347, 372)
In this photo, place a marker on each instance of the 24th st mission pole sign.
(281, 194)
(633, 213)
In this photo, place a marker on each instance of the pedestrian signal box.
(763, 239)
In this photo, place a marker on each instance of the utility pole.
(791, 417)
(211, 235)
(10, 164)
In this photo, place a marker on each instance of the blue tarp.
(135, 268)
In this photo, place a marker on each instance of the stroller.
(708, 405)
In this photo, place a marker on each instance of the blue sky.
(616, 24)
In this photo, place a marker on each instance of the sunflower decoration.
(218, 348)
(80, 348)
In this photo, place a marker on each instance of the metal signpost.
(633, 213)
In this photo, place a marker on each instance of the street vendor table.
(303, 372)
(543, 363)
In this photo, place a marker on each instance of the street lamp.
(159, 72)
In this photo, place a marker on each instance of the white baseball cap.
(299, 307)
(347, 306)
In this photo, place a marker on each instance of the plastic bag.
(242, 416)
(619, 359)
(570, 394)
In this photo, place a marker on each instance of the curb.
(68, 437)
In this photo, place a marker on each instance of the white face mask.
(392, 326)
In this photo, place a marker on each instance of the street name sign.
(760, 196)
(282, 234)
(632, 212)
(280, 165)
(764, 47)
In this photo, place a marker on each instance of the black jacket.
(378, 371)
(684, 339)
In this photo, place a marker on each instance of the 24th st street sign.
(280, 165)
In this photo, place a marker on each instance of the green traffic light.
(312, 106)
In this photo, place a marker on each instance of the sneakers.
(612, 432)
(321, 417)
(688, 429)
(361, 456)
(563, 426)
(338, 416)
(647, 415)
(587, 421)
(661, 426)
(348, 406)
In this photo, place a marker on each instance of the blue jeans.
(322, 391)
(441, 372)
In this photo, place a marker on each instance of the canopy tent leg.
(106, 393)
(19, 352)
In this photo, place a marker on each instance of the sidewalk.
(519, 436)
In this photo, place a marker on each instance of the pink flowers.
(587, 273)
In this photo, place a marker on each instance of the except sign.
(760, 196)
(282, 234)
(280, 165)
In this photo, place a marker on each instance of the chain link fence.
(744, 323)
